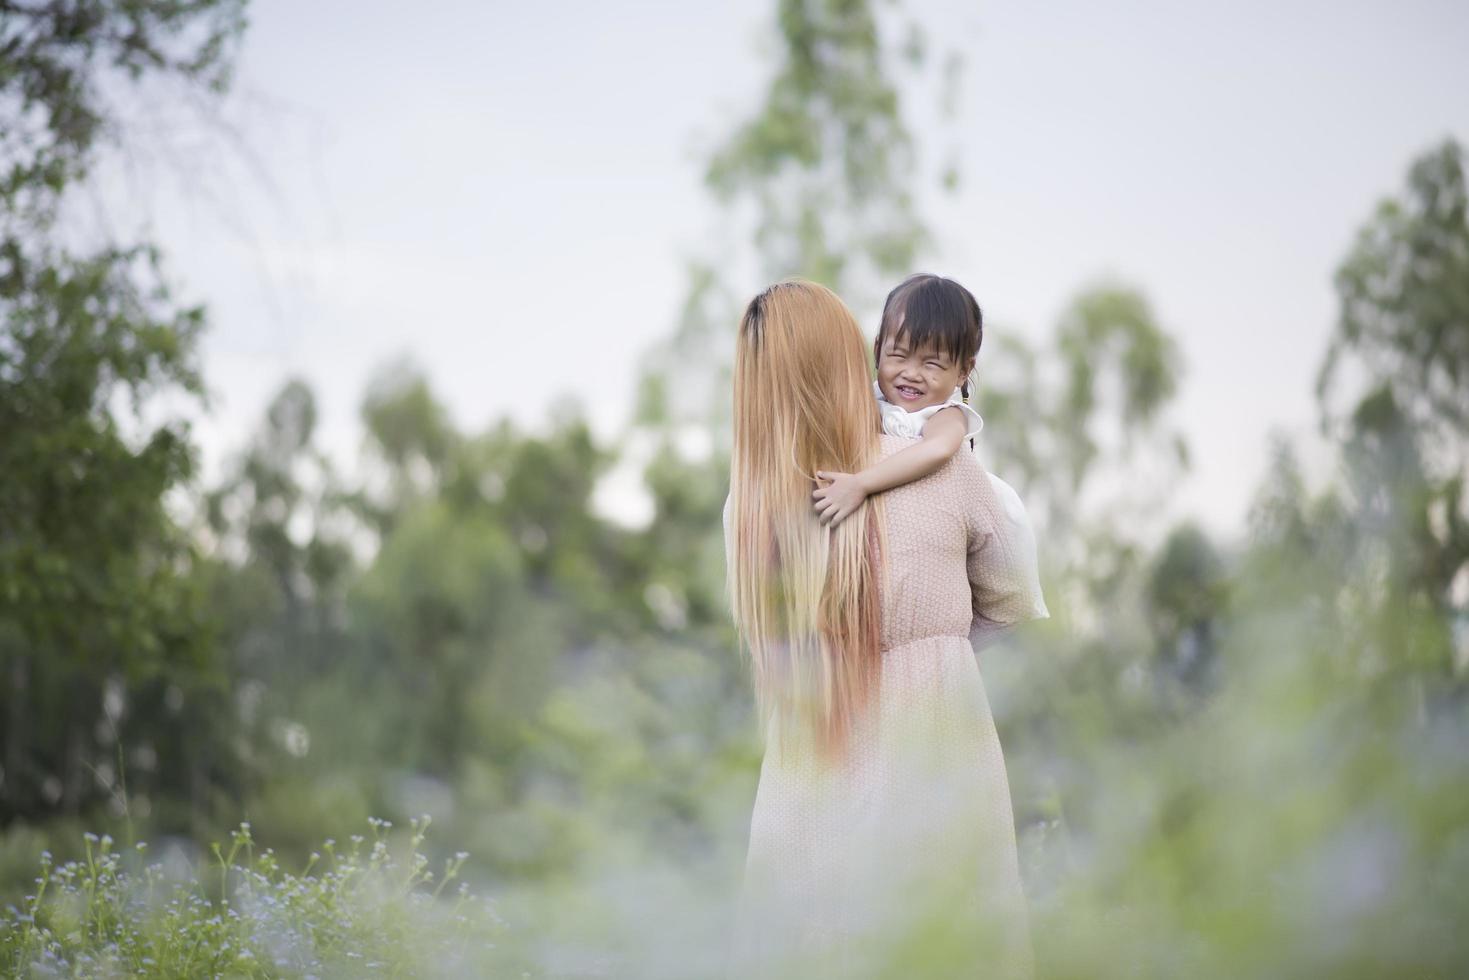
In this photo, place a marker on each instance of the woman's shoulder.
(893, 444)
(962, 473)
(889, 444)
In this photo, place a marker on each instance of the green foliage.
(1111, 330)
(1404, 330)
(58, 63)
(1186, 599)
(94, 575)
(1115, 373)
(1227, 759)
(99, 612)
(356, 911)
(825, 171)
(827, 159)
(1404, 292)
(78, 488)
(492, 613)
(1276, 791)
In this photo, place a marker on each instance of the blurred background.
(364, 425)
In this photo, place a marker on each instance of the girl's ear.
(968, 379)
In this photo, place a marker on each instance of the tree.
(99, 617)
(1404, 322)
(823, 173)
(59, 59)
(1404, 332)
(1186, 598)
(826, 160)
(1103, 402)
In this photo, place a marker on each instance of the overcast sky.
(505, 192)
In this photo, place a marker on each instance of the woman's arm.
(843, 493)
(1003, 563)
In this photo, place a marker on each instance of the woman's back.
(925, 588)
(955, 551)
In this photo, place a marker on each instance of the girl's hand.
(839, 498)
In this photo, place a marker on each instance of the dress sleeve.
(973, 422)
(1004, 569)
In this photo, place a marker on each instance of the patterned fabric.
(900, 860)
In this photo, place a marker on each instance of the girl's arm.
(843, 493)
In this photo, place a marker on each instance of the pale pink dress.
(902, 861)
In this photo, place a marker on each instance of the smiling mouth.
(907, 392)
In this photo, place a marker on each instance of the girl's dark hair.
(930, 310)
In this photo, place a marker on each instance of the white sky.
(506, 192)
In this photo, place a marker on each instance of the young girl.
(925, 350)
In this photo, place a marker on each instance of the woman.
(882, 841)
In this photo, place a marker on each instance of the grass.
(358, 910)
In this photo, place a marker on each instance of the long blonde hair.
(805, 597)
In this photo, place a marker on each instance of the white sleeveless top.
(898, 421)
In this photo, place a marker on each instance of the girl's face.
(916, 378)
